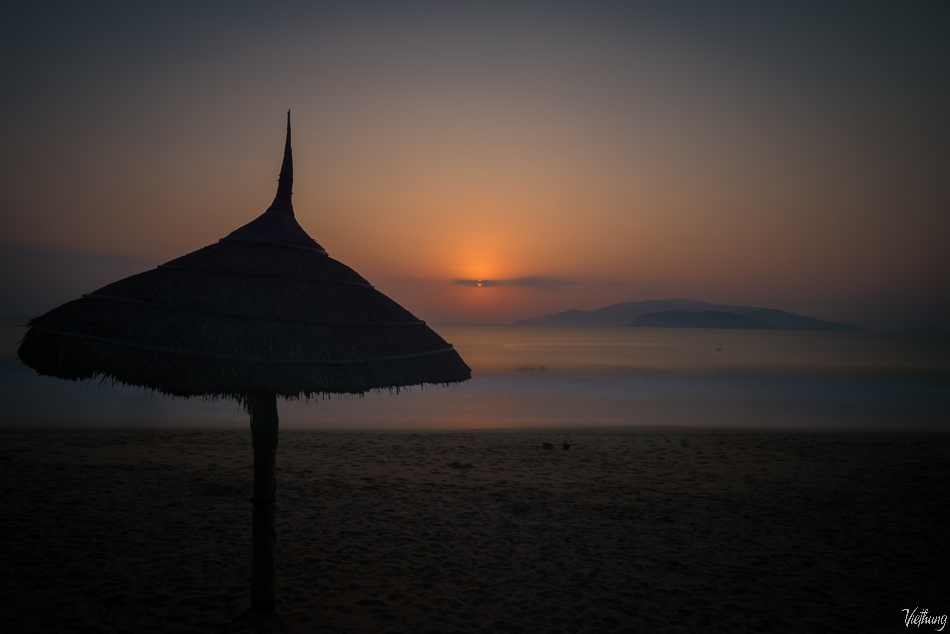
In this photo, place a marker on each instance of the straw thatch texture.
(237, 316)
(265, 308)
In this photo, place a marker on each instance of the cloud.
(540, 283)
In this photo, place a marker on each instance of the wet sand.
(107, 531)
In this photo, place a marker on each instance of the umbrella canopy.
(263, 309)
(262, 313)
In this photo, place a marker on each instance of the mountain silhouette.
(626, 313)
(790, 321)
(705, 319)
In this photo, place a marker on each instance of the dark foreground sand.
(625, 532)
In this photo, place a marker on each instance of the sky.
(788, 155)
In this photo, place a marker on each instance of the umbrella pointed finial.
(285, 182)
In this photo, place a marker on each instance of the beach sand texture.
(135, 531)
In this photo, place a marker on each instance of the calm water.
(554, 377)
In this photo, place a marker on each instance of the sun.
(479, 282)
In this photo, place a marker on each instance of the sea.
(567, 378)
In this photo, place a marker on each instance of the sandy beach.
(136, 531)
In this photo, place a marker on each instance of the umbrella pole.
(263, 406)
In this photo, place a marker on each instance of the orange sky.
(580, 154)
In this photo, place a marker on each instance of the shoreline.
(511, 401)
(895, 432)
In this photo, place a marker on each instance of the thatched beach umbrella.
(262, 313)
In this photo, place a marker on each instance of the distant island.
(706, 319)
(686, 313)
